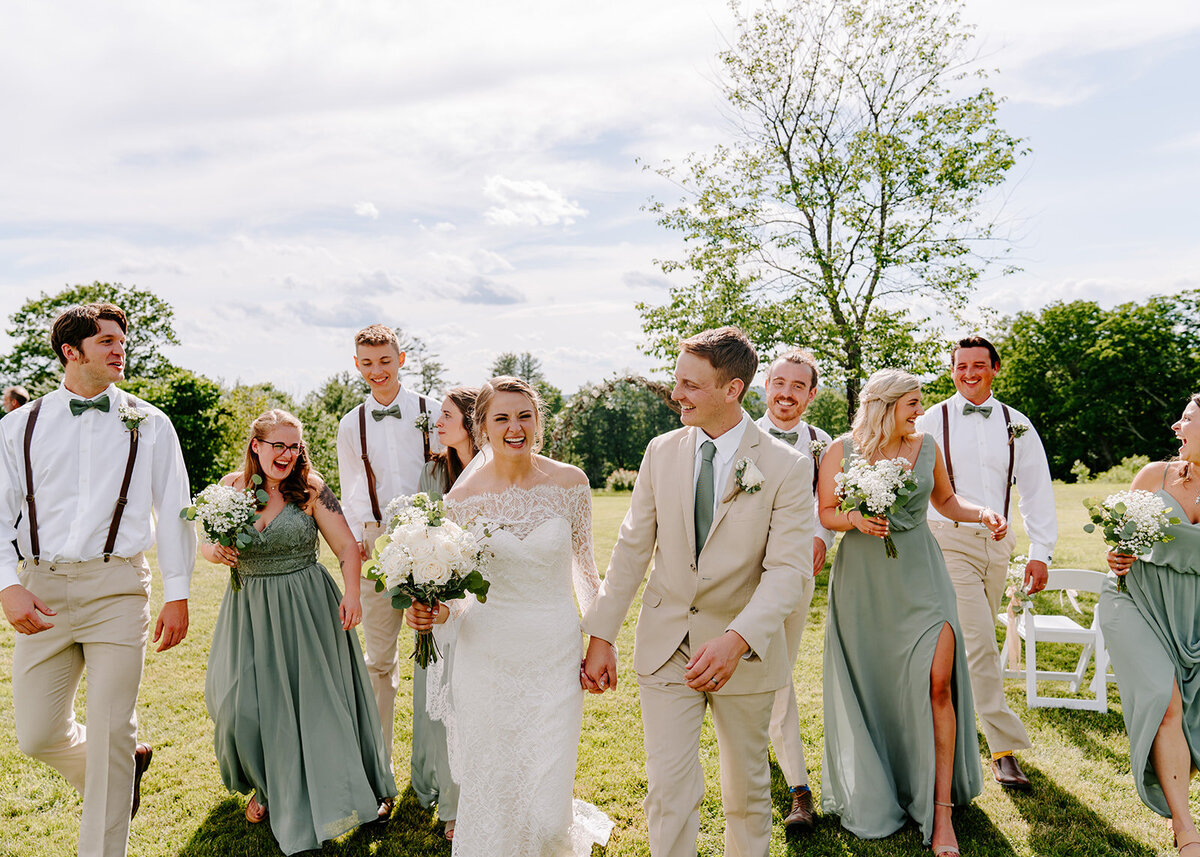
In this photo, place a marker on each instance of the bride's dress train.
(514, 707)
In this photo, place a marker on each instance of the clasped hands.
(709, 669)
(422, 617)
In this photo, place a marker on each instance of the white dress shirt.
(979, 453)
(397, 455)
(78, 463)
(804, 445)
(727, 447)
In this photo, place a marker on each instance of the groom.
(727, 516)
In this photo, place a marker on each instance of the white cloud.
(366, 209)
(532, 203)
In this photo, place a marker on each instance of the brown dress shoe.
(800, 819)
(1009, 774)
(142, 754)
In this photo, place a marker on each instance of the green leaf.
(1089, 528)
(261, 496)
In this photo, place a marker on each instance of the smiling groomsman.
(990, 447)
(98, 478)
(381, 452)
(791, 387)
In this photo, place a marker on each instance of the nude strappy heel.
(945, 850)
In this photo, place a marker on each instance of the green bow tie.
(392, 411)
(100, 403)
(969, 408)
(788, 437)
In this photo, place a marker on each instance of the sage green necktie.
(969, 408)
(100, 403)
(391, 411)
(788, 437)
(704, 494)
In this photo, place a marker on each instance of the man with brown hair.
(989, 448)
(97, 479)
(791, 386)
(13, 398)
(381, 452)
(727, 516)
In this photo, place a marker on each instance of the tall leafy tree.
(421, 364)
(1102, 385)
(860, 182)
(528, 368)
(33, 363)
(193, 404)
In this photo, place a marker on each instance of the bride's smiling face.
(511, 426)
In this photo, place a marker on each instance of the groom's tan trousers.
(103, 615)
(672, 717)
(785, 717)
(978, 566)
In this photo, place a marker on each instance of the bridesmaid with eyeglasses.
(295, 719)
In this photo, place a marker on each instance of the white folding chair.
(1035, 629)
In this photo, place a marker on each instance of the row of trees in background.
(1101, 385)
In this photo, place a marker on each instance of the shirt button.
(693, 609)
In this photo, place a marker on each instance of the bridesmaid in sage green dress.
(294, 717)
(900, 739)
(430, 768)
(1152, 632)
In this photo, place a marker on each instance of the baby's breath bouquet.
(1133, 522)
(875, 490)
(428, 558)
(226, 516)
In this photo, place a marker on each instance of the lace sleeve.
(583, 565)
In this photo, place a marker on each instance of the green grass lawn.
(1083, 802)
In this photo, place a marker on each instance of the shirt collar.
(959, 400)
(728, 443)
(373, 403)
(67, 395)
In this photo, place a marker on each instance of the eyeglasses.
(281, 448)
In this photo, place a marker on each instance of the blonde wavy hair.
(873, 422)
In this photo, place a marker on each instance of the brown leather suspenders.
(372, 491)
(29, 501)
(122, 499)
(362, 436)
(1012, 452)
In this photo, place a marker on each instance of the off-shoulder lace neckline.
(541, 487)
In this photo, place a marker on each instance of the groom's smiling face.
(704, 401)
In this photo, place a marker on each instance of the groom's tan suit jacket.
(748, 577)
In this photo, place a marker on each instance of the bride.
(514, 704)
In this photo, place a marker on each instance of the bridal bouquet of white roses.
(226, 516)
(1132, 522)
(875, 490)
(430, 559)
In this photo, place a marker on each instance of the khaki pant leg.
(785, 718)
(977, 566)
(381, 625)
(672, 717)
(46, 670)
(741, 723)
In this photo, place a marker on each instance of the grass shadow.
(411, 830)
(1061, 826)
(976, 832)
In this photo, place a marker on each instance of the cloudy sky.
(284, 173)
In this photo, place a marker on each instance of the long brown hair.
(448, 460)
(294, 487)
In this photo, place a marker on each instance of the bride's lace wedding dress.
(514, 707)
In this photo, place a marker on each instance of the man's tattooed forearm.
(329, 500)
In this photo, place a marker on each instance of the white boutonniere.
(424, 422)
(1015, 430)
(817, 447)
(747, 476)
(131, 416)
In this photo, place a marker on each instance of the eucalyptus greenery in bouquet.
(430, 559)
(876, 490)
(226, 517)
(1132, 522)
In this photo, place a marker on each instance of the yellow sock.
(996, 756)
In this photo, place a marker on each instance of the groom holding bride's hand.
(727, 516)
